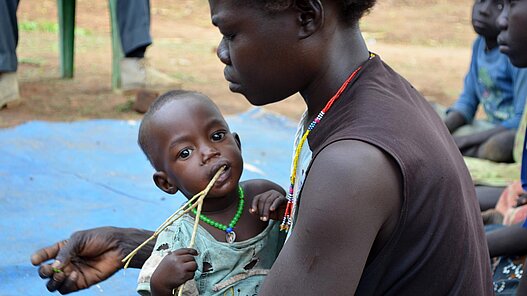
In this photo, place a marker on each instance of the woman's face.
(262, 51)
(513, 36)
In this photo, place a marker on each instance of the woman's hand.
(89, 257)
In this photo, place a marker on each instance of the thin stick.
(194, 231)
(198, 214)
(184, 207)
(187, 207)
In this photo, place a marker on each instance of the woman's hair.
(352, 10)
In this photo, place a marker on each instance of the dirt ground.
(427, 41)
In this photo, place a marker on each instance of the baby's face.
(191, 142)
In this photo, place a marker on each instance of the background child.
(495, 84)
(187, 141)
(512, 240)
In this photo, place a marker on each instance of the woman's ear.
(161, 180)
(310, 16)
(237, 139)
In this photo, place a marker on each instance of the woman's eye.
(185, 153)
(218, 136)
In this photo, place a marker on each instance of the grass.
(125, 107)
(48, 27)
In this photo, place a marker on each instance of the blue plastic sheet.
(56, 178)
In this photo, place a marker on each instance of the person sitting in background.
(512, 240)
(495, 84)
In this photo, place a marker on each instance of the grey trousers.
(8, 35)
(133, 17)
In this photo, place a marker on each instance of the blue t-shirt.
(496, 84)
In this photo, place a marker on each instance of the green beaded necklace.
(230, 236)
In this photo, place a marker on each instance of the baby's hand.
(269, 205)
(173, 271)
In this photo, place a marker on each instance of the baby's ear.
(238, 141)
(161, 180)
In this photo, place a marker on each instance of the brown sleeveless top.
(438, 246)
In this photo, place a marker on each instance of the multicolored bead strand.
(291, 201)
(229, 229)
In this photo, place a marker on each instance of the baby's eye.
(185, 153)
(218, 136)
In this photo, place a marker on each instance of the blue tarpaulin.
(57, 178)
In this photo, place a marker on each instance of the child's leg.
(488, 196)
(498, 148)
(475, 127)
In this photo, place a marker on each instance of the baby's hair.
(144, 128)
(352, 10)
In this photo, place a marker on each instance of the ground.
(427, 41)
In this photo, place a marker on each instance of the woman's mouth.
(227, 74)
(234, 86)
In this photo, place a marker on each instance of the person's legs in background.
(133, 17)
(488, 196)
(497, 148)
(9, 95)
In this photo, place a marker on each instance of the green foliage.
(48, 27)
(125, 107)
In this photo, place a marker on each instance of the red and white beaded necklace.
(291, 200)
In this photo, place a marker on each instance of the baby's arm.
(174, 270)
(269, 205)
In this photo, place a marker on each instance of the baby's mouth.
(226, 167)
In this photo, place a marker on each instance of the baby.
(187, 140)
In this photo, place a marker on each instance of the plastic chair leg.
(66, 11)
(117, 51)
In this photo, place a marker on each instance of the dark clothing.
(133, 17)
(438, 246)
(8, 35)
